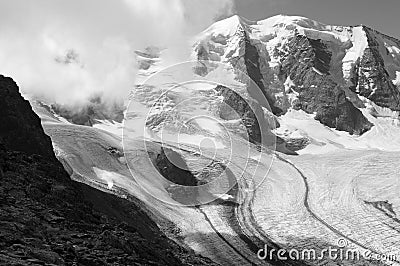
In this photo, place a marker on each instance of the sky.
(68, 51)
(382, 15)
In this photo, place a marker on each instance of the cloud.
(68, 51)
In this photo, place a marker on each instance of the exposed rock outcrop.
(247, 57)
(233, 101)
(171, 166)
(307, 63)
(370, 77)
(20, 127)
(253, 63)
(251, 115)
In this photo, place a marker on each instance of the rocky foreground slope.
(48, 219)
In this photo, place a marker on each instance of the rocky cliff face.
(253, 118)
(48, 219)
(246, 55)
(20, 127)
(170, 165)
(371, 78)
(307, 62)
(233, 101)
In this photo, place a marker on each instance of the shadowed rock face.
(332, 108)
(255, 131)
(252, 62)
(46, 218)
(171, 165)
(243, 109)
(20, 127)
(370, 78)
(307, 63)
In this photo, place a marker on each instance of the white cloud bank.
(70, 50)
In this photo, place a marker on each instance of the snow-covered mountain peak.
(227, 27)
(271, 32)
(281, 19)
(277, 21)
(331, 73)
(300, 63)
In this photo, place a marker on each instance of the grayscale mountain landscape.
(246, 142)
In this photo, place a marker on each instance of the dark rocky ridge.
(251, 67)
(252, 62)
(307, 62)
(172, 166)
(251, 114)
(48, 219)
(20, 127)
(233, 101)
